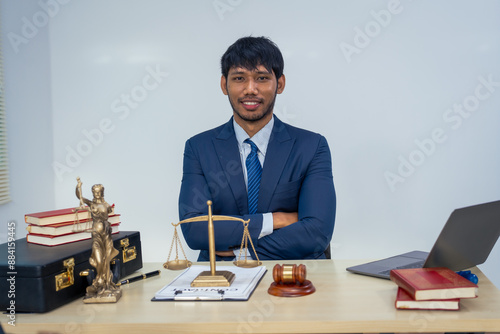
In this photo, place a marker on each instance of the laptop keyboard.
(407, 266)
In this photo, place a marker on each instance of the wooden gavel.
(289, 274)
(290, 281)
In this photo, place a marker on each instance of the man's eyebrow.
(242, 72)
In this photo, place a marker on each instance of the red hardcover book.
(56, 216)
(51, 240)
(405, 302)
(433, 283)
(67, 227)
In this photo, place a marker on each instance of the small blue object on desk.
(470, 276)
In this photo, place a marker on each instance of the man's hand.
(282, 219)
(225, 253)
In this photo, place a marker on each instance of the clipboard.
(245, 282)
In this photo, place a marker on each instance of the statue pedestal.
(111, 297)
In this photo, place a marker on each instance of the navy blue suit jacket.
(296, 177)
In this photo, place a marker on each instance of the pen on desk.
(140, 277)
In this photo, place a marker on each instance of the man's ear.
(223, 84)
(281, 84)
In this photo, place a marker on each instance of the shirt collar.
(261, 138)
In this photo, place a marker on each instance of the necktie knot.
(254, 172)
(253, 147)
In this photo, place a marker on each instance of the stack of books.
(57, 227)
(431, 288)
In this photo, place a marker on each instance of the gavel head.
(289, 274)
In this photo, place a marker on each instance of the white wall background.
(81, 96)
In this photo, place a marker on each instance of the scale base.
(221, 278)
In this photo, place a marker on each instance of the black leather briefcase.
(44, 278)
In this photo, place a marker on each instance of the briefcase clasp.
(67, 278)
(129, 253)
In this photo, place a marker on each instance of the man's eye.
(237, 78)
(262, 78)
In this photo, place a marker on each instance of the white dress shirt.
(261, 139)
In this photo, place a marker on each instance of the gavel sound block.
(290, 281)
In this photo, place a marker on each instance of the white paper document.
(245, 281)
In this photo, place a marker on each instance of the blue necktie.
(254, 172)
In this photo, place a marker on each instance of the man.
(288, 193)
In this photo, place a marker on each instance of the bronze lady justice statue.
(102, 290)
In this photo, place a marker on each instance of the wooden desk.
(343, 303)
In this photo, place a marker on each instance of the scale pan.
(177, 264)
(247, 263)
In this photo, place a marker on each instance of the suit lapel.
(228, 154)
(278, 150)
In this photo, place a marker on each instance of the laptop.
(465, 241)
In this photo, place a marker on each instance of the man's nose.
(251, 87)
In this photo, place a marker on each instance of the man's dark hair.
(250, 52)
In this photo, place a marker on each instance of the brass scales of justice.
(213, 277)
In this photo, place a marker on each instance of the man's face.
(252, 92)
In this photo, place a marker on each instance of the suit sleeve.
(201, 181)
(310, 236)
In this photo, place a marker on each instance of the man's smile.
(250, 104)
